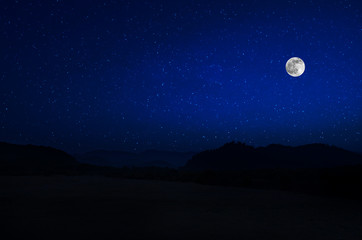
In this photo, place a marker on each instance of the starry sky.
(179, 75)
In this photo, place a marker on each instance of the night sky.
(179, 75)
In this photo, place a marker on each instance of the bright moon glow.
(295, 67)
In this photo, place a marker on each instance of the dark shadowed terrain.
(129, 159)
(60, 207)
(233, 192)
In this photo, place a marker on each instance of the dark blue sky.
(179, 75)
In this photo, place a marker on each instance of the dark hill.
(30, 159)
(238, 156)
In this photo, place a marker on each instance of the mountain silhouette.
(238, 156)
(30, 159)
(147, 158)
(314, 168)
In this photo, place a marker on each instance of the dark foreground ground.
(60, 207)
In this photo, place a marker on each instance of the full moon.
(295, 67)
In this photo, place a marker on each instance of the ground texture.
(60, 207)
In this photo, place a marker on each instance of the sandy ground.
(61, 207)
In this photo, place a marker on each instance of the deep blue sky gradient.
(179, 75)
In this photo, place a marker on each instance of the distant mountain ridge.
(25, 159)
(147, 158)
(312, 169)
(237, 156)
